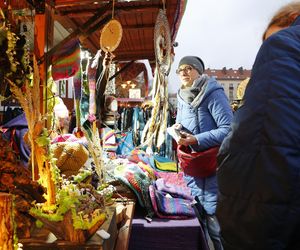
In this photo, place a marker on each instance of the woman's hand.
(177, 126)
(187, 139)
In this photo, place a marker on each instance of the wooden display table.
(41, 238)
(124, 229)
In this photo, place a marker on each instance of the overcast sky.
(224, 33)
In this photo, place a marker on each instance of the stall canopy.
(86, 18)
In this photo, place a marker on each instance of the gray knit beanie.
(194, 61)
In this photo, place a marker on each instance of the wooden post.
(43, 41)
(39, 50)
(45, 174)
(6, 222)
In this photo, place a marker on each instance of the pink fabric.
(65, 137)
(69, 138)
(173, 189)
(173, 178)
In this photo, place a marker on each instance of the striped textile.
(66, 61)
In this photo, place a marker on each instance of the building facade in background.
(229, 79)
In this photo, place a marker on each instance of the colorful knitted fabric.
(138, 181)
(174, 206)
(146, 168)
(137, 155)
(108, 137)
(155, 207)
(108, 133)
(66, 61)
(174, 179)
(133, 181)
(164, 164)
(77, 84)
(119, 173)
(173, 190)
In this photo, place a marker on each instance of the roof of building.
(229, 74)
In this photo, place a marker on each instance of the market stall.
(84, 173)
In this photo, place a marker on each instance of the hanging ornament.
(111, 34)
(162, 42)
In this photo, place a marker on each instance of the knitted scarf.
(193, 95)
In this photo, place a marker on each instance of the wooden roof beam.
(122, 10)
(134, 27)
(72, 3)
(76, 32)
(134, 55)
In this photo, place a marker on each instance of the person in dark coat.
(259, 161)
(14, 131)
(204, 117)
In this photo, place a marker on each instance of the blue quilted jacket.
(259, 170)
(209, 122)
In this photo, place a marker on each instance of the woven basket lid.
(111, 35)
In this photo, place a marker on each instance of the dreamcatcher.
(110, 39)
(155, 130)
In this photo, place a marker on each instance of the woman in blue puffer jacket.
(259, 171)
(204, 116)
